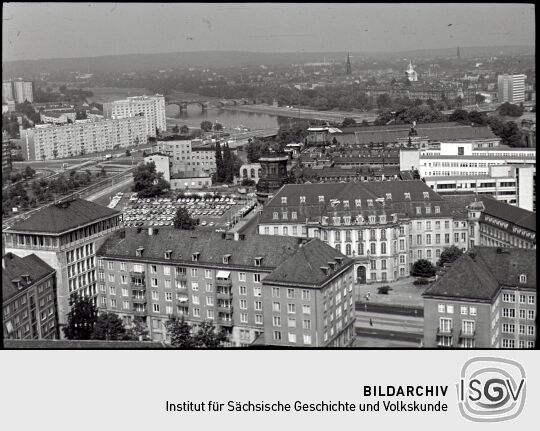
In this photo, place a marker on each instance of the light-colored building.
(270, 291)
(7, 91)
(189, 158)
(512, 184)
(50, 141)
(181, 182)
(58, 117)
(486, 299)
(162, 164)
(250, 171)
(23, 91)
(152, 107)
(411, 74)
(66, 236)
(511, 88)
(384, 226)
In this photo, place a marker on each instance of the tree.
(459, 115)
(423, 268)
(348, 121)
(108, 327)
(208, 337)
(449, 255)
(147, 182)
(138, 330)
(218, 127)
(511, 135)
(206, 126)
(510, 110)
(81, 318)
(228, 168)
(478, 118)
(220, 170)
(183, 220)
(128, 153)
(479, 98)
(29, 172)
(184, 130)
(180, 333)
(175, 128)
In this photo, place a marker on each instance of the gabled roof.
(515, 215)
(63, 217)
(16, 267)
(483, 271)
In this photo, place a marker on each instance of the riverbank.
(307, 114)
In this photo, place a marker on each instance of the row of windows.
(511, 297)
(463, 309)
(511, 313)
(510, 328)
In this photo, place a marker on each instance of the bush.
(420, 281)
(383, 290)
(423, 268)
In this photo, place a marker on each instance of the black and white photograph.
(277, 175)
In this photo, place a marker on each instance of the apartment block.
(384, 226)
(486, 299)
(511, 88)
(18, 91)
(151, 107)
(65, 235)
(234, 281)
(28, 298)
(52, 141)
(188, 157)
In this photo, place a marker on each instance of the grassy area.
(403, 292)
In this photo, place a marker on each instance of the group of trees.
(420, 114)
(182, 335)
(149, 183)
(183, 130)
(183, 220)
(64, 94)
(227, 164)
(424, 268)
(84, 323)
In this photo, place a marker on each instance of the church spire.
(349, 69)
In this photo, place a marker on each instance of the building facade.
(152, 107)
(162, 163)
(18, 91)
(511, 88)
(486, 299)
(66, 236)
(50, 141)
(28, 298)
(384, 226)
(269, 291)
(188, 157)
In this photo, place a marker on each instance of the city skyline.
(264, 28)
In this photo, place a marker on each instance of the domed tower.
(411, 73)
(273, 175)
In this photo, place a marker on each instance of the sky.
(63, 30)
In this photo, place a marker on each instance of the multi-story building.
(6, 154)
(273, 291)
(152, 107)
(486, 299)
(7, 91)
(50, 141)
(496, 224)
(58, 116)
(23, 91)
(28, 298)
(513, 184)
(384, 226)
(511, 88)
(66, 235)
(188, 157)
(162, 163)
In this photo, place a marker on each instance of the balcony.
(467, 334)
(139, 299)
(180, 275)
(222, 308)
(444, 331)
(183, 302)
(224, 322)
(138, 286)
(224, 295)
(227, 282)
(136, 274)
(140, 312)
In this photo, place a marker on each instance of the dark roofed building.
(233, 280)
(487, 298)
(28, 298)
(66, 236)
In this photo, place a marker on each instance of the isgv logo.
(491, 389)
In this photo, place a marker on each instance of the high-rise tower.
(349, 69)
(458, 54)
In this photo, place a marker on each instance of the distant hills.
(147, 62)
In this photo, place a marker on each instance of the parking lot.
(213, 213)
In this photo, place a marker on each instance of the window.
(257, 291)
(307, 339)
(472, 311)
(441, 308)
(207, 273)
(445, 325)
(196, 312)
(210, 301)
(509, 312)
(523, 278)
(113, 303)
(168, 296)
(257, 278)
(258, 305)
(243, 318)
(259, 319)
(464, 310)
(194, 286)
(509, 297)
(276, 321)
(194, 272)
(291, 308)
(111, 278)
(467, 326)
(450, 309)
(209, 287)
(275, 292)
(155, 308)
(531, 299)
(243, 304)
(195, 299)
(112, 290)
(306, 309)
(306, 295)
(290, 293)
(242, 290)
(276, 307)
(292, 337)
(277, 335)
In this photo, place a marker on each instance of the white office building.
(152, 107)
(511, 88)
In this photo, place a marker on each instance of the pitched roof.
(16, 267)
(483, 271)
(304, 267)
(515, 215)
(63, 216)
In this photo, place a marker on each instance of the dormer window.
(347, 220)
(418, 210)
(284, 200)
(426, 195)
(195, 257)
(293, 215)
(302, 199)
(168, 254)
(388, 195)
(332, 265)
(284, 215)
(226, 259)
(372, 219)
(346, 204)
(336, 220)
(437, 210)
(321, 198)
(358, 202)
(139, 251)
(523, 279)
(382, 219)
(258, 261)
(276, 216)
(407, 195)
(370, 202)
(324, 220)
(359, 219)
